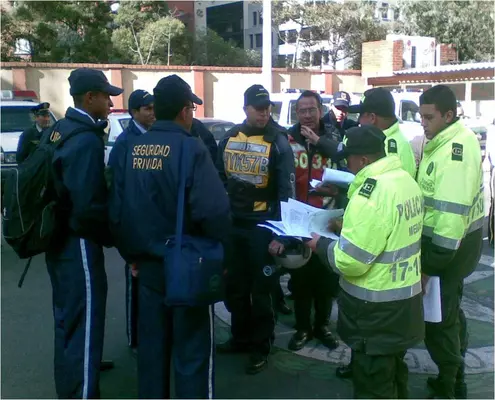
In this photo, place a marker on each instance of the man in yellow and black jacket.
(451, 178)
(256, 164)
(378, 259)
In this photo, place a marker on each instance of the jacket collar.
(379, 167)
(168, 126)
(444, 136)
(81, 118)
(395, 128)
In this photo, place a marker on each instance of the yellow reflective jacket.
(378, 258)
(397, 144)
(451, 178)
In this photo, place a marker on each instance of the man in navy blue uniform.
(29, 139)
(256, 164)
(142, 111)
(144, 196)
(76, 262)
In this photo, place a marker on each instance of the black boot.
(106, 365)
(438, 389)
(460, 388)
(232, 347)
(299, 340)
(326, 337)
(257, 363)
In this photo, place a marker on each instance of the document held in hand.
(432, 304)
(300, 220)
(334, 177)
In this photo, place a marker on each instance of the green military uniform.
(397, 144)
(451, 179)
(378, 258)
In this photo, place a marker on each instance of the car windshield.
(18, 118)
(218, 129)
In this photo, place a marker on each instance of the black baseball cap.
(341, 99)
(84, 80)
(257, 96)
(41, 109)
(366, 139)
(378, 101)
(172, 89)
(140, 98)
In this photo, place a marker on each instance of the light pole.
(266, 69)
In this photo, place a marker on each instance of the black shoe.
(232, 347)
(106, 365)
(299, 340)
(325, 336)
(283, 308)
(344, 371)
(437, 389)
(257, 363)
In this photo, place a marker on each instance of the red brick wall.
(398, 55)
(447, 53)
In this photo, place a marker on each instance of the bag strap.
(181, 199)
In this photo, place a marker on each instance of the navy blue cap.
(173, 89)
(341, 99)
(366, 139)
(257, 96)
(84, 80)
(140, 98)
(378, 101)
(41, 109)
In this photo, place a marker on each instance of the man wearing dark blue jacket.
(76, 262)
(256, 164)
(198, 129)
(142, 112)
(144, 202)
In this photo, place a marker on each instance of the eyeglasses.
(194, 107)
(310, 111)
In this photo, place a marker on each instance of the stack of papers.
(300, 220)
(334, 177)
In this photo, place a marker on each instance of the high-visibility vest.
(450, 176)
(378, 254)
(397, 144)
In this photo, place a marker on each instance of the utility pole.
(267, 45)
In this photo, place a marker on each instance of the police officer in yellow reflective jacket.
(378, 108)
(378, 258)
(451, 179)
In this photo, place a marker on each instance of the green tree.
(58, 31)
(468, 25)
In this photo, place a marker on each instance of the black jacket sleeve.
(285, 169)
(201, 131)
(327, 147)
(23, 146)
(208, 200)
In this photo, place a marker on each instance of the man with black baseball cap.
(337, 116)
(256, 164)
(143, 203)
(142, 112)
(379, 265)
(29, 139)
(76, 262)
(378, 108)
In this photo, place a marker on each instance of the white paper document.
(432, 304)
(337, 177)
(300, 220)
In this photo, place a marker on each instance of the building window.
(292, 36)
(259, 40)
(261, 19)
(251, 41)
(413, 57)
(282, 37)
(255, 22)
(384, 11)
(396, 14)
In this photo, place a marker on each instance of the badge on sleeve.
(429, 170)
(367, 188)
(457, 151)
(392, 146)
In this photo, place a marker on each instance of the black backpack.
(30, 200)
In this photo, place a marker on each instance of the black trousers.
(447, 341)
(131, 307)
(313, 283)
(379, 377)
(251, 285)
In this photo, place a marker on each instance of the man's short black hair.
(169, 111)
(310, 93)
(78, 100)
(442, 97)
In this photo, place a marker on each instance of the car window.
(18, 118)
(408, 110)
(276, 109)
(219, 130)
(292, 112)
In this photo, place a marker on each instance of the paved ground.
(27, 345)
